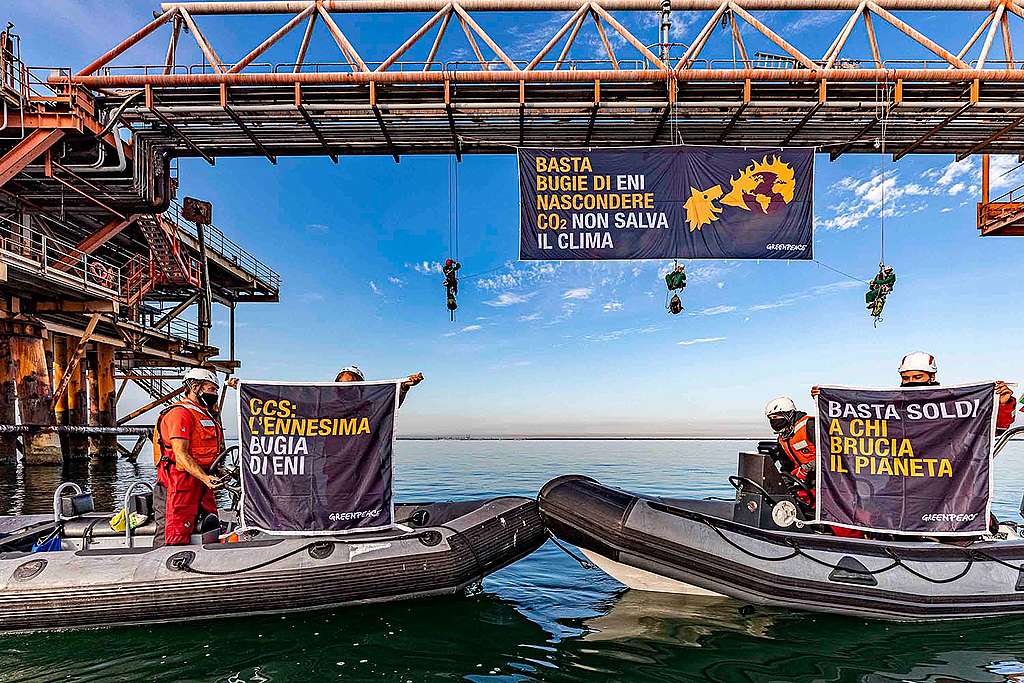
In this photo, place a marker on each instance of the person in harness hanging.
(451, 283)
(795, 431)
(675, 280)
(879, 288)
(187, 440)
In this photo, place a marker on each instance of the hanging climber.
(451, 284)
(675, 280)
(879, 289)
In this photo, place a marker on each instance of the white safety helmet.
(202, 375)
(780, 405)
(919, 361)
(354, 369)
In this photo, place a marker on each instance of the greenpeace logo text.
(359, 514)
(947, 517)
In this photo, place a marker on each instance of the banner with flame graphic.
(666, 202)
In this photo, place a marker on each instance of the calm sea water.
(544, 618)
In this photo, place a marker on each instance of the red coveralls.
(800, 449)
(187, 497)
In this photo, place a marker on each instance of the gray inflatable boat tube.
(693, 546)
(97, 580)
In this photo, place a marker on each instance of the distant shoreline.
(535, 437)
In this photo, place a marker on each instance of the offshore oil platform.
(106, 278)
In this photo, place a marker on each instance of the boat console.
(766, 493)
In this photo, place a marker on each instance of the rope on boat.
(586, 564)
(334, 541)
(897, 560)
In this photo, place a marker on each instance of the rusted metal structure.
(739, 81)
(101, 279)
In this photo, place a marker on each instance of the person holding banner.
(352, 373)
(919, 369)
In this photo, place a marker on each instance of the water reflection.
(544, 618)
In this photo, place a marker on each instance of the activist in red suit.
(919, 369)
(187, 439)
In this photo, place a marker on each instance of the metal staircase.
(166, 264)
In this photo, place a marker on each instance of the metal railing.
(57, 260)
(225, 247)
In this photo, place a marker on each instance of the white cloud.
(427, 267)
(510, 299)
(375, 289)
(612, 306)
(619, 334)
(472, 328)
(715, 310)
(310, 297)
(516, 276)
(397, 281)
(529, 318)
(810, 293)
(317, 229)
(700, 340)
(578, 293)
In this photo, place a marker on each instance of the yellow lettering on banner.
(364, 426)
(945, 468)
(901, 467)
(835, 428)
(835, 444)
(916, 470)
(860, 462)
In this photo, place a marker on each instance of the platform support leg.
(35, 392)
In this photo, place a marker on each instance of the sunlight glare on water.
(544, 618)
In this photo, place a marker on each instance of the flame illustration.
(700, 208)
(762, 181)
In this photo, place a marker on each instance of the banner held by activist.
(906, 461)
(316, 458)
(674, 201)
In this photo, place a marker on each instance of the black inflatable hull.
(693, 546)
(101, 587)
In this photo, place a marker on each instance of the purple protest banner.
(666, 202)
(912, 461)
(316, 458)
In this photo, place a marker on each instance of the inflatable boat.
(755, 548)
(84, 573)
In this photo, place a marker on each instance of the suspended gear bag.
(675, 306)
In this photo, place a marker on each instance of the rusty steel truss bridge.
(737, 81)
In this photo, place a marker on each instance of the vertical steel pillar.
(984, 178)
(8, 383)
(35, 392)
(77, 407)
(59, 342)
(102, 399)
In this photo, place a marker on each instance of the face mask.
(778, 424)
(209, 401)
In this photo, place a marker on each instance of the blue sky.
(582, 347)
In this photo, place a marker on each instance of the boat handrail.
(128, 540)
(58, 517)
(1005, 437)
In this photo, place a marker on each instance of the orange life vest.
(205, 442)
(798, 446)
